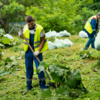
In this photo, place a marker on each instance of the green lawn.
(12, 87)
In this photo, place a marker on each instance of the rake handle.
(29, 45)
(31, 48)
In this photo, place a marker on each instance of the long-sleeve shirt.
(94, 25)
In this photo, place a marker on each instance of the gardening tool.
(50, 83)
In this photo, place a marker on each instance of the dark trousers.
(29, 69)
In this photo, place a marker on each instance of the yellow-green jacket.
(37, 40)
(88, 26)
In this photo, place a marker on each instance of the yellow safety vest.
(37, 40)
(88, 26)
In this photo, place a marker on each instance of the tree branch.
(3, 4)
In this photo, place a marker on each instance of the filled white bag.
(58, 43)
(97, 41)
(52, 34)
(62, 43)
(64, 34)
(8, 36)
(58, 34)
(83, 34)
(67, 43)
(51, 45)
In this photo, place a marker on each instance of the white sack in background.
(64, 34)
(83, 34)
(58, 43)
(51, 34)
(57, 34)
(51, 45)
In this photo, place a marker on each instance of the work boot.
(85, 48)
(43, 84)
(27, 90)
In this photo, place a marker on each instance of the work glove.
(20, 33)
(36, 53)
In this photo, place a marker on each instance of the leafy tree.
(1, 22)
(62, 15)
(12, 12)
(54, 15)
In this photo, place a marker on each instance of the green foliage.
(1, 54)
(1, 45)
(91, 54)
(4, 42)
(3, 73)
(55, 15)
(9, 65)
(65, 80)
(74, 79)
(95, 6)
(69, 15)
(12, 11)
(86, 13)
(56, 73)
(62, 90)
(2, 32)
(52, 16)
(46, 93)
(85, 54)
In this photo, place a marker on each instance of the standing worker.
(35, 35)
(90, 28)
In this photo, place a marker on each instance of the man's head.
(98, 15)
(30, 21)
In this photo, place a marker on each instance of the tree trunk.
(2, 24)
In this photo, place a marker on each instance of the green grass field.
(12, 87)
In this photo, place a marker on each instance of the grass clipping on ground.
(73, 57)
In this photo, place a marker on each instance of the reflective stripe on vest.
(37, 40)
(88, 26)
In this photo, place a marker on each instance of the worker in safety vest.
(90, 28)
(35, 35)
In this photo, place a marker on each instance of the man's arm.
(42, 43)
(93, 24)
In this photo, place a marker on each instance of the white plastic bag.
(64, 34)
(52, 34)
(83, 34)
(67, 43)
(51, 45)
(62, 43)
(58, 43)
(97, 41)
(8, 36)
(57, 34)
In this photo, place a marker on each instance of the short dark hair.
(29, 19)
